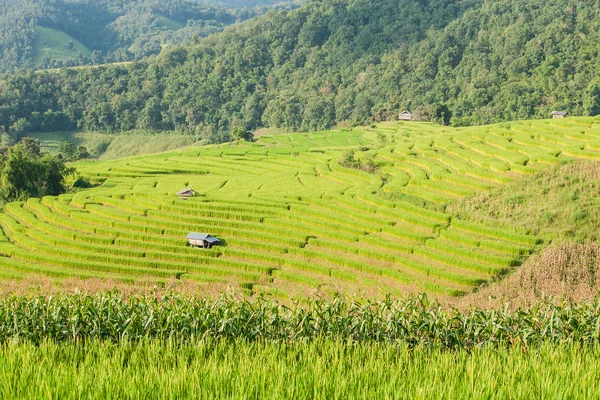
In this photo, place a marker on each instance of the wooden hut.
(203, 240)
(559, 114)
(405, 116)
(186, 193)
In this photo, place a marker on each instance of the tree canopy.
(111, 30)
(333, 61)
(26, 172)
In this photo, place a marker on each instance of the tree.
(21, 175)
(441, 114)
(319, 113)
(81, 153)
(239, 133)
(54, 174)
(591, 102)
(31, 146)
(17, 129)
(97, 57)
(26, 175)
(6, 140)
(150, 117)
(67, 149)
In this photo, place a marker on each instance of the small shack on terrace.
(405, 116)
(559, 114)
(187, 192)
(203, 240)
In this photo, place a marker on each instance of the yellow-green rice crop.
(290, 215)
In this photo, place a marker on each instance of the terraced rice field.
(291, 218)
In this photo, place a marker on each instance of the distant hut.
(405, 116)
(186, 193)
(559, 114)
(250, 136)
(203, 240)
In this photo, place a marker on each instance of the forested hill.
(55, 33)
(332, 61)
(251, 3)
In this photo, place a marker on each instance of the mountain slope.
(350, 61)
(56, 45)
(235, 77)
(115, 30)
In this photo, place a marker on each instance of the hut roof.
(202, 236)
(405, 112)
(559, 113)
(186, 191)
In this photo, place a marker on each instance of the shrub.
(82, 183)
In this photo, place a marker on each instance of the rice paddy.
(292, 219)
(322, 369)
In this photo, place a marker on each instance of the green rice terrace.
(352, 211)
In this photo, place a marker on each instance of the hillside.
(251, 3)
(559, 203)
(366, 211)
(348, 62)
(222, 199)
(568, 212)
(37, 33)
(51, 44)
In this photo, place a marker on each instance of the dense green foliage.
(327, 369)
(26, 172)
(250, 3)
(340, 60)
(55, 33)
(413, 322)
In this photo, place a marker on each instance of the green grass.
(53, 44)
(292, 218)
(560, 202)
(110, 146)
(323, 369)
(95, 143)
